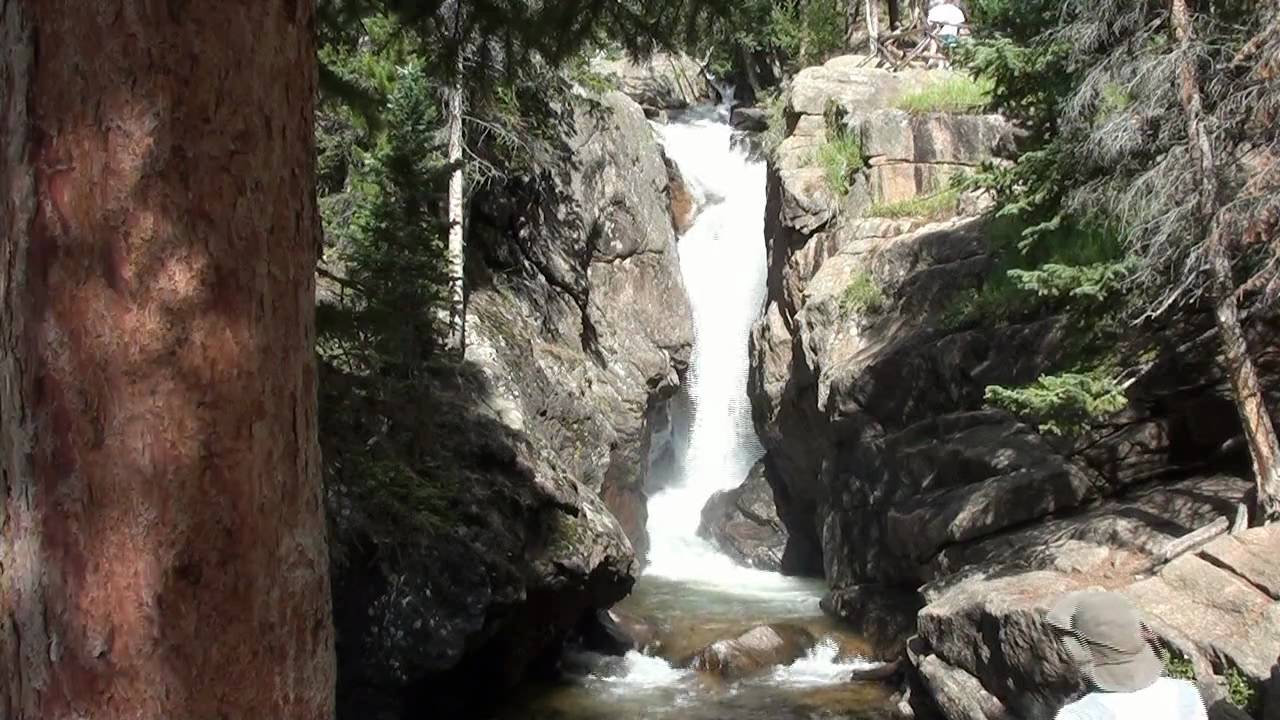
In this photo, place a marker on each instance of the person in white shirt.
(946, 18)
(1108, 641)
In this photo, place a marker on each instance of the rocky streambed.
(711, 653)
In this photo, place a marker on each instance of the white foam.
(642, 672)
(820, 666)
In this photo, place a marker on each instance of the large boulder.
(755, 650)
(579, 320)
(743, 523)
(524, 511)
(986, 619)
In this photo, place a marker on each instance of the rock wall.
(891, 473)
(577, 333)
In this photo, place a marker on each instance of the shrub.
(1064, 403)
(955, 94)
(862, 296)
(1242, 692)
(1176, 666)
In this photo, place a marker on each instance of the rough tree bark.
(1260, 434)
(162, 539)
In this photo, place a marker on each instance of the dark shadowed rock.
(749, 118)
(1271, 704)
(536, 449)
(886, 616)
(616, 632)
(758, 649)
(744, 523)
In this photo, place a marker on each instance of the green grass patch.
(840, 158)
(938, 206)
(862, 296)
(956, 94)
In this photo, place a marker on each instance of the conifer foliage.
(1153, 121)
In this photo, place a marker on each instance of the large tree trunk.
(1264, 450)
(457, 244)
(162, 539)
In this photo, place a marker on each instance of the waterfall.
(689, 588)
(724, 268)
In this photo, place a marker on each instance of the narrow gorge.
(729, 451)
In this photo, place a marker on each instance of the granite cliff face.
(578, 331)
(898, 483)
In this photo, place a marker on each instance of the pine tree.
(1157, 123)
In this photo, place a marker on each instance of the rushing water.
(695, 594)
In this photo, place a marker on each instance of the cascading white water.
(724, 268)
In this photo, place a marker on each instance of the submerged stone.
(757, 649)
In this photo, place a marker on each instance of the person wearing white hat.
(1106, 638)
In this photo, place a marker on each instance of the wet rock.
(750, 143)
(617, 632)
(743, 523)
(663, 81)
(758, 649)
(880, 672)
(749, 118)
